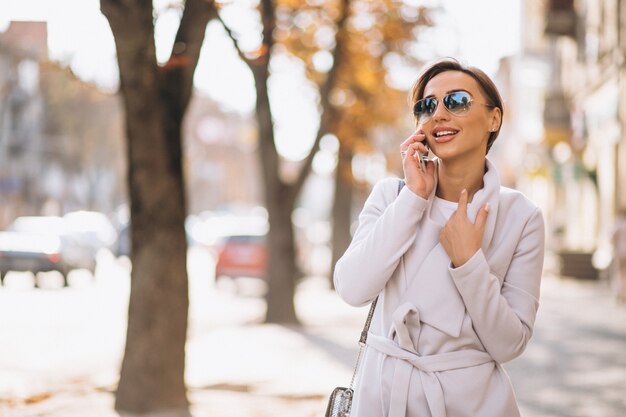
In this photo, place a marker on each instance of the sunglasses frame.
(423, 116)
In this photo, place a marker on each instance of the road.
(62, 347)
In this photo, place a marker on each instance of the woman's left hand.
(460, 237)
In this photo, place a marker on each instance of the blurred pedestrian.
(619, 256)
(454, 257)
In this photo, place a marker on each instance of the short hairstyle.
(485, 83)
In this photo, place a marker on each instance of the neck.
(454, 176)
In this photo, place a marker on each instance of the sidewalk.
(575, 365)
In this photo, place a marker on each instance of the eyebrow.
(449, 92)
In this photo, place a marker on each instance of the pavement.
(575, 365)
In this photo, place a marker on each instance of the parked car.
(35, 253)
(91, 229)
(242, 256)
(42, 244)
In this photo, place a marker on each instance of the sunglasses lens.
(457, 102)
(430, 104)
(425, 108)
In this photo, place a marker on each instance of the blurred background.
(65, 243)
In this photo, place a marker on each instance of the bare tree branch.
(178, 71)
(233, 38)
(269, 25)
(341, 39)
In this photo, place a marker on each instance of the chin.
(452, 155)
(445, 154)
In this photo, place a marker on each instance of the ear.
(496, 120)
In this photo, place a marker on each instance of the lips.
(444, 134)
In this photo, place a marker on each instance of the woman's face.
(452, 136)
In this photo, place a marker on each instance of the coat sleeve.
(387, 228)
(504, 315)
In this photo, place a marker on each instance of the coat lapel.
(429, 284)
(490, 193)
(432, 290)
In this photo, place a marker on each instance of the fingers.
(405, 145)
(419, 146)
(415, 138)
(417, 150)
(459, 237)
(463, 202)
(481, 217)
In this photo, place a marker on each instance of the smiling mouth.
(444, 135)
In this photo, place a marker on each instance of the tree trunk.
(155, 100)
(279, 196)
(342, 205)
(279, 200)
(152, 375)
(283, 271)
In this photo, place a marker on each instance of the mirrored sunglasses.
(457, 103)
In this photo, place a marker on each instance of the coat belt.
(407, 359)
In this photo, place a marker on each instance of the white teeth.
(444, 133)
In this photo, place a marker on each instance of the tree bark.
(279, 200)
(155, 100)
(283, 269)
(342, 206)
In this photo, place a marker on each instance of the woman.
(455, 258)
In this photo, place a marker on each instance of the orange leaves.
(355, 56)
(361, 99)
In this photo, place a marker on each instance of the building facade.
(566, 93)
(588, 38)
(61, 139)
(566, 108)
(21, 116)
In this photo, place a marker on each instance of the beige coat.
(439, 334)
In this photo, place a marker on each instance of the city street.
(62, 348)
(266, 134)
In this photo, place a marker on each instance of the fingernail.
(463, 191)
(487, 207)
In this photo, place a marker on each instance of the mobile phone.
(423, 158)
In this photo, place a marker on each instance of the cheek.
(478, 128)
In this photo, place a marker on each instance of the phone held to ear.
(423, 158)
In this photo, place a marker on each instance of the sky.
(479, 32)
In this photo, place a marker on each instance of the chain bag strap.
(340, 401)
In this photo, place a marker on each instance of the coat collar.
(490, 193)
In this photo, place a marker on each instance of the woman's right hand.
(418, 181)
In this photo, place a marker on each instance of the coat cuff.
(475, 266)
(409, 198)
